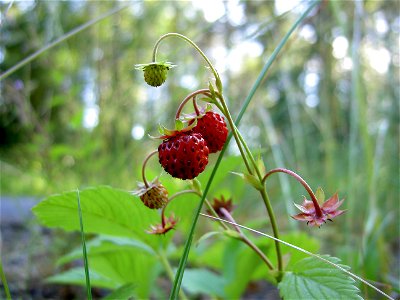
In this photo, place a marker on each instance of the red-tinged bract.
(166, 225)
(329, 211)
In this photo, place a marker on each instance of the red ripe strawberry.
(184, 155)
(213, 128)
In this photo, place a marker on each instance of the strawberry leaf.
(311, 278)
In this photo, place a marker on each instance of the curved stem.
(144, 167)
(205, 92)
(244, 239)
(192, 44)
(318, 210)
(196, 107)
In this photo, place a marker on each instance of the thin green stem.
(318, 210)
(274, 226)
(235, 133)
(60, 40)
(170, 273)
(244, 239)
(4, 280)
(85, 258)
(250, 155)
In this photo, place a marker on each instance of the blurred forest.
(79, 115)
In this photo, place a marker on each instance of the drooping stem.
(195, 106)
(244, 239)
(205, 92)
(318, 210)
(144, 167)
(213, 70)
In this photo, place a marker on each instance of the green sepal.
(253, 180)
(218, 83)
(179, 125)
(320, 195)
(212, 90)
(232, 234)
(196, 185)
(207, 236)
(179, 128)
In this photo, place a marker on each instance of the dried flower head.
(166, 225)
(155, 73)
(154, 196)
(217, 204)
(317, 216)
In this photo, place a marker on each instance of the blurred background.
(79, 115)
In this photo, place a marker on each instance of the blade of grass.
(4, 281)
(85, 259)
(59, 40)
(354, 149)
(183, 260)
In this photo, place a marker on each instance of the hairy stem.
(144, 167)
(205, 92)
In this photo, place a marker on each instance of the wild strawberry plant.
(134, 239)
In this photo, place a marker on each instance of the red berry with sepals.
(184, 155)
(213, 128)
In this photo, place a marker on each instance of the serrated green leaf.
(320, 195)
(126, 291)
(311, 278)
(104, 210)
(128, 266)
(197, 281)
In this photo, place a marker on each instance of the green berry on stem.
(155, 73)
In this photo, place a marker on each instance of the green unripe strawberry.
(155, 73)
